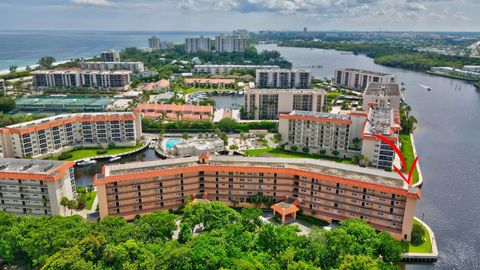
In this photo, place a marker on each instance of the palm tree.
(13, 70)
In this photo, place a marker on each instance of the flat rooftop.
(66, 116)
(347, 171)
(367, 71)
(28, 165)
(82, 71)
(386, 89)
(379, 121)
(323, 115)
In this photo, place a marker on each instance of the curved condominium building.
(46, 136)
(327, 190)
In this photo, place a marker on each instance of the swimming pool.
(171, 142)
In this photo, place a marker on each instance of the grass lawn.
(407, 151)
(273, 152)
(91, 152)
(90, 198)
(424, 247)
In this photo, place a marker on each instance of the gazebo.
(286, 208)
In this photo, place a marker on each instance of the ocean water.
(22, 48)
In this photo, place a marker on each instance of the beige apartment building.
(270, 103)
(386, 95)
(349, 134)
(327, 190)
(119, 79)
(321, 131)
(358, 79)
(47, 136)
(35, 187)
(283, 78)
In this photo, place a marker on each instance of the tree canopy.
(211, 236)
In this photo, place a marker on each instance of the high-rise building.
(325, 189)
(110, 56)
(358, 79)
(36, 187)
(81, 78)
(283, 78)
(197, 44)
(52, 135)
(154, 43)
(230, 44)
(270, 103)
(385, 95)
(385, 122)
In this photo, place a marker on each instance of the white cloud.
(415, 6)
(92, 2)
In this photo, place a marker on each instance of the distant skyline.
(253, 15)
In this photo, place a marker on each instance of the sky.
(254, 15)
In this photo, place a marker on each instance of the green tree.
(250, 218)
(228, 125)
(185, 136)
(7, 104)
(358, 262)
(185, 233)
(294, 148)
(46, 62)
(158, 224)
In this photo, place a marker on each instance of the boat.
(86, 162)
(428, 88)
(114, 159)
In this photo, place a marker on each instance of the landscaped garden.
(81, 153)
(407, 151)
(421, 242)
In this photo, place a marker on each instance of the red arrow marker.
(402, 160)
